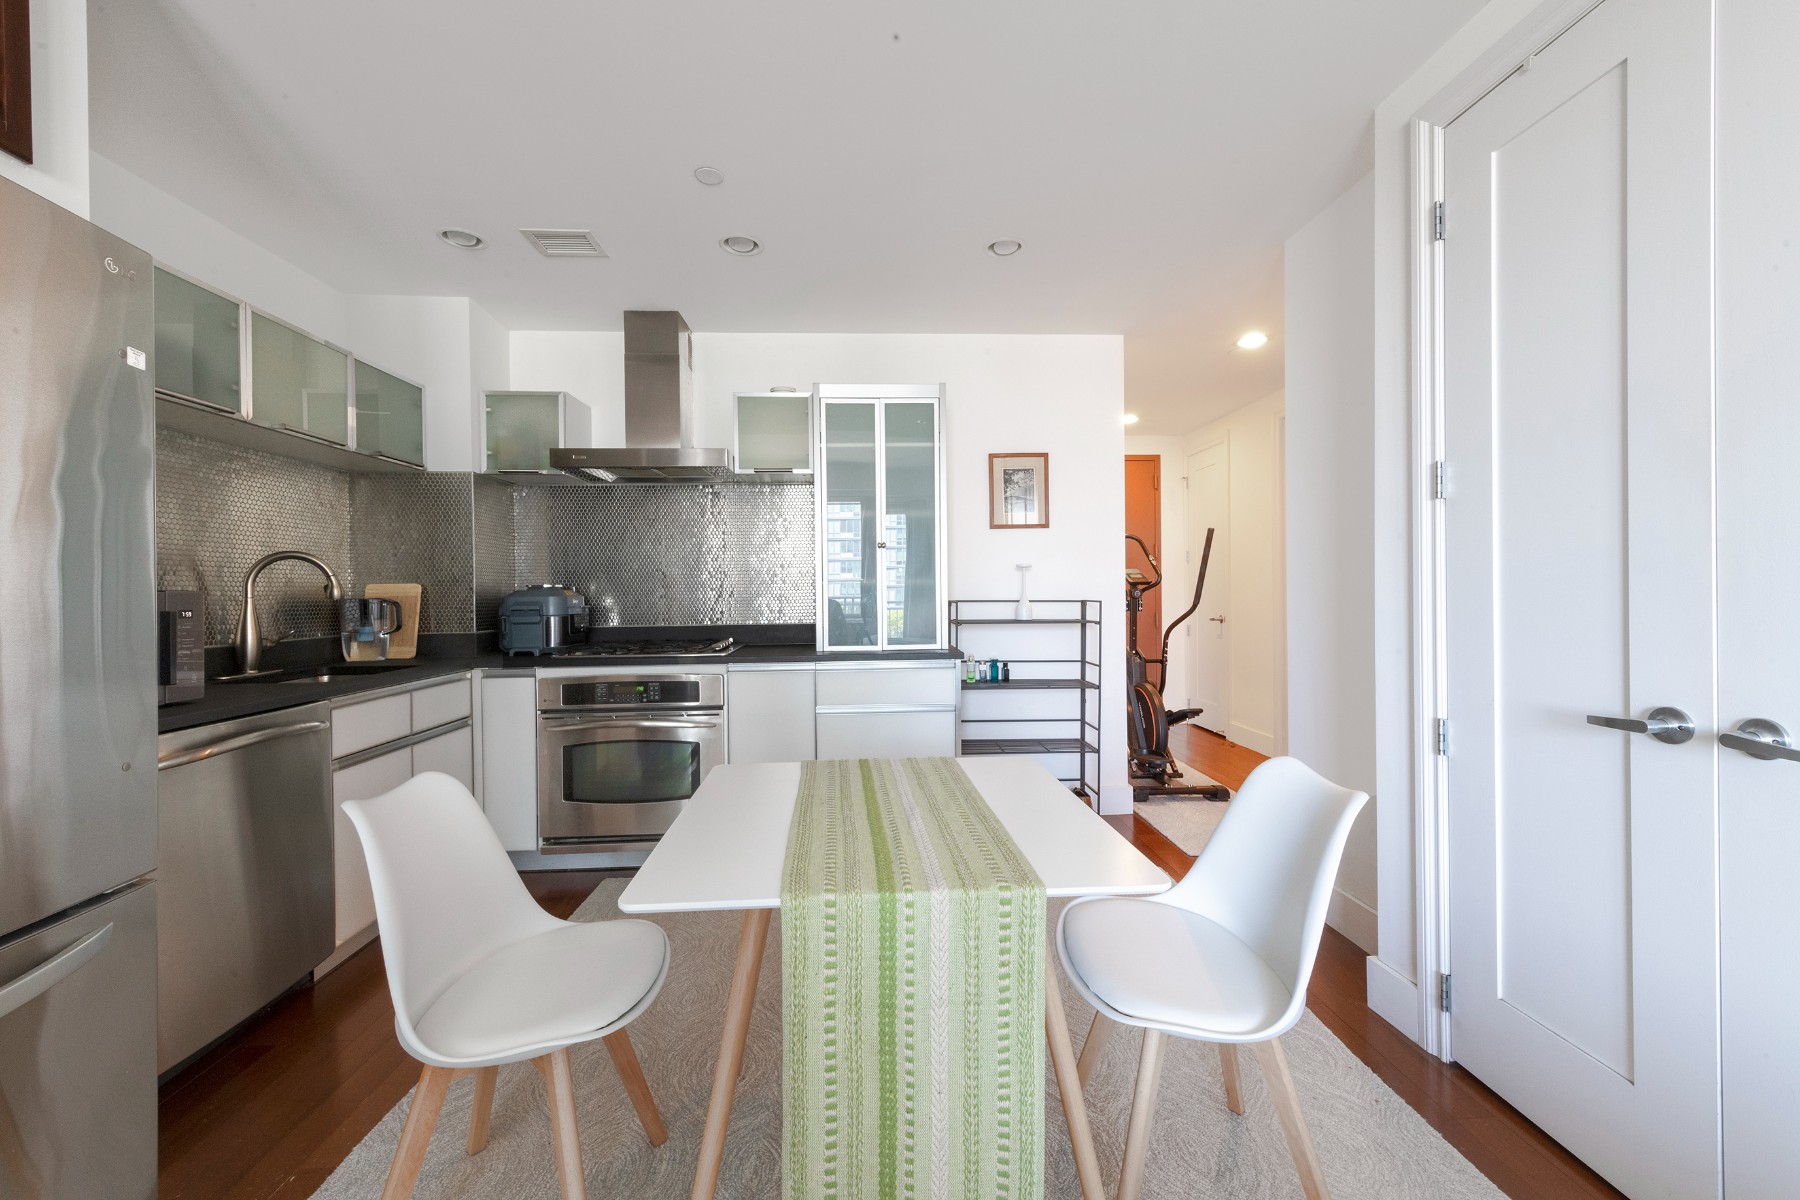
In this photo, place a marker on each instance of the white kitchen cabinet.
(509, 758)
(774, 431)
(364, 781)
(521, 428)
(452, 753)
(874, 733)
(886, 710)
(769, 713)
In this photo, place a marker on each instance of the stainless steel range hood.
(659, 414)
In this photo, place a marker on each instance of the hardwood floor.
(271, 1112)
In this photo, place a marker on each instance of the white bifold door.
(1580, 552)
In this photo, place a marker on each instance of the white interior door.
(1579, 557)
(1208, 630)
(1759, 578)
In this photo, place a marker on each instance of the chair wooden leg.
(1068, 1082)
(636, 1086)
(1234, 1083)
(1143, 1110)
(482, 1110)
(415, 1136)
(1273, 1060)
(565, 1134)
(1094, 1046)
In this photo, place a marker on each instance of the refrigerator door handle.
(52, 971)
(182, 758)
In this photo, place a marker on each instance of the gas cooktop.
(650, 648)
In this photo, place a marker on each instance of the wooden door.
(1579, 581)
(1143, 516)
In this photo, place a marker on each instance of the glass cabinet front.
(197, 343)
(390, 415)
(880, 518)
(522, 429)
(298, 383)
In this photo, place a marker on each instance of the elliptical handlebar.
(1199, 587)
(1151, 558)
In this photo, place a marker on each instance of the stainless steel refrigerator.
(77, 709)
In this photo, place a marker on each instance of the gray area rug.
(1189, 823)
(1372, 1145)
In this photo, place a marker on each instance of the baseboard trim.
(1354, 919)
(1394, 998)
(352, 944)
(1260, 740)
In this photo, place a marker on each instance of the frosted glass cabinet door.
(390, 415)
(298, 383)
(909, 526)
(197, 343)
(774, 431)
(851, 568)
(522, 429)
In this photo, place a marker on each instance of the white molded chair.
(481, 976)
(1223, 956)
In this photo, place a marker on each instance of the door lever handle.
(1669, 725)
(1767, 740)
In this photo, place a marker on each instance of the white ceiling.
(1152, 157)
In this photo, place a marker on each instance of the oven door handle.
(561, 724)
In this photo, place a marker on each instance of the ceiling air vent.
(564, 243)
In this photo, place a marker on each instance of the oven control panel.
(589, 692)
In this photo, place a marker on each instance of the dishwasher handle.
(183, 758)
(52, 971)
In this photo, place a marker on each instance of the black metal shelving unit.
(1076, 735)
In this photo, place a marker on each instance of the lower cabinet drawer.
(924, 734)
(356, 727)
(364, 781)
(933, 683)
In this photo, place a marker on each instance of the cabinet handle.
(1669, 725)
(1760, 738)
(400, 743)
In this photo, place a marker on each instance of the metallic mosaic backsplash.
(674, 555)
(220, 508)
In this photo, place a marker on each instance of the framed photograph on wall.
(15, 78)
(1018, 491)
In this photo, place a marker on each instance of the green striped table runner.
(912, 946)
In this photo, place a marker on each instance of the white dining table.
(727, 849)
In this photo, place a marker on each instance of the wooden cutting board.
(405, 642)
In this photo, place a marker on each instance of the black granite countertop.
(229, 700)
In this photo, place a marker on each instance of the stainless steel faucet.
(249, 633)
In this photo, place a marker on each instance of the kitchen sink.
(340, 671)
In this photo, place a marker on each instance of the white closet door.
(1759, 591)
(1579, 551)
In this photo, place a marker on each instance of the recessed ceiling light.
(1256, 339)
(1128, 419)
(462, 238)
(1005, 247)
(710, 176)
(740, 245)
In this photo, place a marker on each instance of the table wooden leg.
(751, 940)
(1068, 1082)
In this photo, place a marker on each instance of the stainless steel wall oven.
(618, 756)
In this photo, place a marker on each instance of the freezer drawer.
(245, 835)
(78, 1053)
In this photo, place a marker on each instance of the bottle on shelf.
(1005, 672)
(968, 670)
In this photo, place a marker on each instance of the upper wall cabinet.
(523, 427)
(390, 415)
(198, 344)
(881, 518)
(298, 383)
(774, 431)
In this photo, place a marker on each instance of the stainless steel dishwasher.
(244, 886)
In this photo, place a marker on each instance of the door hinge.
(1440, 480)
(1444, 993)
(1443, 735)
(1437, 221)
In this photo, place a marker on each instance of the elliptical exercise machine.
(1154, 771)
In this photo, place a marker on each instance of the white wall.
(1330, 549)
(1255, 603)
(1059, 394)
(589, 366)
(58, 169)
